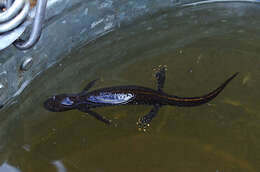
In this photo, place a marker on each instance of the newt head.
(59, 103)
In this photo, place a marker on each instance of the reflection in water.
(5, 167)
(60, 166)
(221, 136)
(26, 147)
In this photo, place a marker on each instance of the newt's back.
(124, 95)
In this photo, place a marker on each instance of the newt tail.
(195, 101)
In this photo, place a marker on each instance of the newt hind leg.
(160, 76)
(144, 121)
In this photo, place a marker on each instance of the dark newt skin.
(127, 95)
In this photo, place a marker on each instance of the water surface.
(220, 136)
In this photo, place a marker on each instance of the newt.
(127, 95)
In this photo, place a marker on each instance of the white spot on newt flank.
(111, 98)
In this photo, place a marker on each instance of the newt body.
(127, 95)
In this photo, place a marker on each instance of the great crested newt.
(127, 95)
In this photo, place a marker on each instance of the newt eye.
(67, 101)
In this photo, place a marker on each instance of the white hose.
(17, 20)
(12, 11)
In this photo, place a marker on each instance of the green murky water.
(221, 136)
